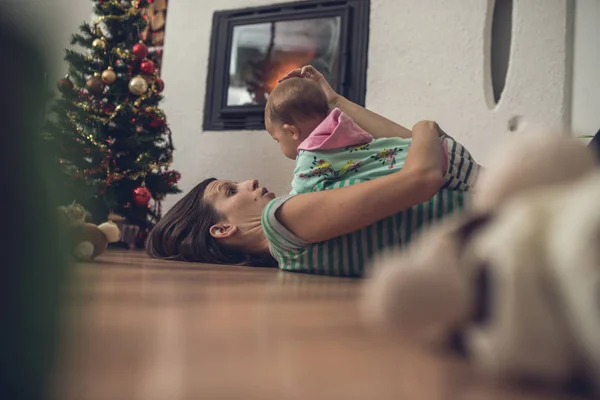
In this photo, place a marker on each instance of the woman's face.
(238, 203)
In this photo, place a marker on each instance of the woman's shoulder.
(277, 234)
(279, 237)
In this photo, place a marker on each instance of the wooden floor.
(146, 329)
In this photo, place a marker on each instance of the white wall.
(52, 22)
(586, 68)
(427, 59)
(436, 70)
(230, 155)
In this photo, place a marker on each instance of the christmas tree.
(111, 140)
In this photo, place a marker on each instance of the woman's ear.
(223, 231)
(292, 130)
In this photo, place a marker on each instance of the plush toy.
(516, 277)
(87, 240)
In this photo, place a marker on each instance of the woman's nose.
(251, 184)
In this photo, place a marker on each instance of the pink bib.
(336, 131)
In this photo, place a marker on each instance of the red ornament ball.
(141, 196)
(108, 108)
(172, 177)
(147, 67)
(157, 122)
(140, 50)
(160, 85)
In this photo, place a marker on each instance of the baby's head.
(294, 109)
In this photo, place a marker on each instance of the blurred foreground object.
(33, 263)
(516, 279)
(87, 240)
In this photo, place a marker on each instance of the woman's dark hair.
(183, 234)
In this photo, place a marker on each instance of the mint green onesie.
(316, 170)
(338, 150)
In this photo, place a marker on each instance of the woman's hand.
(428, 127)
(309, 72)
(425, 153)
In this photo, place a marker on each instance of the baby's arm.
(377, 125)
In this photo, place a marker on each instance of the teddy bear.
(87, 240)
(515, 278)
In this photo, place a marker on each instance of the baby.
(330, 147)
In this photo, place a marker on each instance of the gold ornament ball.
(99, 44)
(138, 85)
(109, 76)
(94, 85)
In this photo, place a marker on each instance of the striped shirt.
(348, 255)
(462, 171)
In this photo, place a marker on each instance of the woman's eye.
(231, 192)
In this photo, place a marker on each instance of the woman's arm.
(340, 211)
(371, 122)
(377, 125)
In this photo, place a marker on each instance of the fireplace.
(252, 47)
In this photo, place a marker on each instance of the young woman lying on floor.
(331, 232)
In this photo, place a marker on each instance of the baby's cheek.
(289, 151)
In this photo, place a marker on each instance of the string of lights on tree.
(109, 133)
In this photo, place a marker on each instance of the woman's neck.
(254, 239)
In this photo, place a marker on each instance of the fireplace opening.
(262, 53)
(252, 48)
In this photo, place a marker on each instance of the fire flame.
(279, 68)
